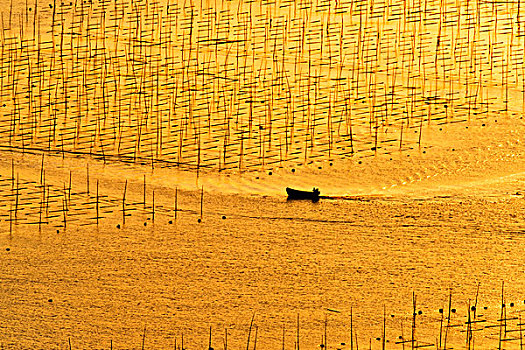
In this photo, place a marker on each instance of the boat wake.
(362, 198)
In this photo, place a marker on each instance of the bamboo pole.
(124, 203)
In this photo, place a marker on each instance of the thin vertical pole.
(87, 176)
(176, 204)
(124, 203)
(153, 208)
(97, 203)
(202, 197)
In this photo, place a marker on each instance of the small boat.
(298, 194)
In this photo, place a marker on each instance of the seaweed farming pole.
(17, 195)
(469, 340)
(413, 320)
(448, 320)
(97, 209)
(175, 206)
(297, 333)
(64, 208)
(202, 197)
(42, 201)
(87, 179)
(42, 170)
(383, 341)
(325, 342)
(521, 332)
(249, 333)
(502, 320)
(124, 203)
(153, 208)
(351, 328)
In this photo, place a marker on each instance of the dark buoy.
(58, 231)
(473, 308)
(118, 225)
(420, 312)
(440, 311)
(170, 222)
(270, 173)
(7, 249)
(293, 170)
(145, 223)
(224, 217)
(360, 162)
(199, 220)
(50, 300)
(511, 304)
(453, 311)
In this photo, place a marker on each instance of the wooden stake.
(176, 209)
(97, 202)
(249, 333)
(124, 203)
(153, 208)
(87, 176)
(202, 196)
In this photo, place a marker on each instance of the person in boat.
(316, 192)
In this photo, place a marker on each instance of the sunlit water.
(413, 225)
(432, 236)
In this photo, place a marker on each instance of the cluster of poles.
(46, 205)
(466, 328)
(244, 85)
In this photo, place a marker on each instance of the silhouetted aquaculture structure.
(242, 85)
(473, 326)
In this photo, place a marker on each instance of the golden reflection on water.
(124, 123)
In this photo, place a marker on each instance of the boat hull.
(294, 194)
